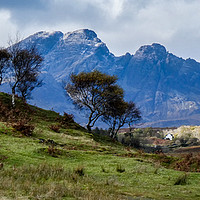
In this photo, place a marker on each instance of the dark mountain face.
(165, 87)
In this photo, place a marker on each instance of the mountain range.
(165, 87)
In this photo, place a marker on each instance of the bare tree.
(28, 84)
(24, 66)
(4, 57)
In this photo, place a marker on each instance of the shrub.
(18, 118)
(189, 163)
(120, 169)
(67, 118)
(53, 151)
(7, 113)
(1, 166)
(3, 111)
(55, 128)
(23, 127)
(100, 131)
(148, 132)
(135, 142)
(181, 180)
(80, 170)
(10, 114)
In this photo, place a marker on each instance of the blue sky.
(124, 25)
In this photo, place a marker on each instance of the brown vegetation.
(189, 163)
(17, 117)
(55, 128)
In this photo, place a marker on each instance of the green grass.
(81, 166)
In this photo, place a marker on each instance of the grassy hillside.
(60, 160)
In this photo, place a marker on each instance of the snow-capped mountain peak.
(163, 86)
(154, 51)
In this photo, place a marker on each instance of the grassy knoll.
(73, 164)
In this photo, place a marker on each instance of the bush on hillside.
(55, 128)
(19, 120)
(23, 127)
(101, 131)
(66, 119)
(189, 162)
(182, 180)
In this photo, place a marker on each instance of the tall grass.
(51, 182)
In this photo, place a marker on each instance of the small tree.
(120, 113)
(24, 66)
(27, 84)
(92, 91)
(4, 57)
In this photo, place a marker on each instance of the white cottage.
(169, 136)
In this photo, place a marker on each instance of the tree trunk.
(13, 96)
(23, 98)
(112, 132)
(114, 135)
(89, 128)
(89, 122)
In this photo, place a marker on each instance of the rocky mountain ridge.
(165, 87)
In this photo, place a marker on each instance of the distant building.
(169, 136)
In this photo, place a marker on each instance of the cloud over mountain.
(124, 25)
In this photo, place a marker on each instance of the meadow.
(59, 159)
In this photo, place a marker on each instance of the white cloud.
(7, 27)
(124, 25)
(112, 8)
(172, 23)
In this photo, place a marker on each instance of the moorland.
(44, 155)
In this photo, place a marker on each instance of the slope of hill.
(69, 163)
(165, 87)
